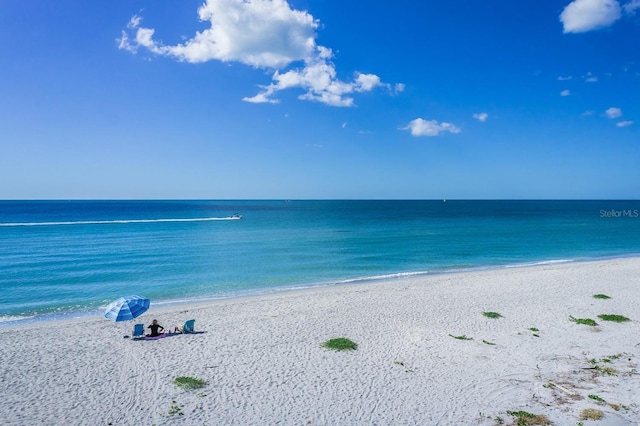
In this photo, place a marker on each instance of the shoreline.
(12, 321)
(263, 361)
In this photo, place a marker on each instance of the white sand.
(265, 365)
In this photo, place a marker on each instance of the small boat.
(236, 216)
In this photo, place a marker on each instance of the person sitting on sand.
(155, 329)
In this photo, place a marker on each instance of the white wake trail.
(122, 221)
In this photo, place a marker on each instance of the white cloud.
(481, 116)
(265, 34)
(124, 44)
(260, 33)
(366, 82)
(134, 22)
(585, 15)
(144, 37)
(631, 7)
(420, 127)
(398, 87)
(587, 113)
(562, 78)
(260, 98)
(565, 93)
(613, 112)
(590, 78)
(624, 123)
(321, 84)
(319, 79)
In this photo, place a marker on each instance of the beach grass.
(596, 398)
(175, 409)
(486, 342)
(609, 371)
(524, 418)
(189, 383)
(492, 314)
(618, 407)
(614, 318)
(340, 344)
(462, 337)
(591, 414)
(611, 357)
(601, 296)
(585, 321)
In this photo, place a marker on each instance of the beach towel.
(156, 337)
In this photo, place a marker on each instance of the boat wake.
(119, 221)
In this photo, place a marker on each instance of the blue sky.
(233, 99)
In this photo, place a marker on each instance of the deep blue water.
(67, 257)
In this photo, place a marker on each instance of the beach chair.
(138, 331)
(188, 326)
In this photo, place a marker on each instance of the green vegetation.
(340, 344)
(601, 296)
(585, 321)
(189, 383)
(596, 398)
(591, 414)
(608, 371)
(492, 314)
(614, 318)
(524, 418)
(535, 330)
(486, 342)
(604, 370)
(463, 337)
(175, 409)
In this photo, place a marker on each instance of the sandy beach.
(264, 363)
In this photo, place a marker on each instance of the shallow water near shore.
(65, 258)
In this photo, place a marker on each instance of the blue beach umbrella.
(127, 308)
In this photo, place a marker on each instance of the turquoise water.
(69, 257)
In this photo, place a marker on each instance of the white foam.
(11, 318)
(544, 262)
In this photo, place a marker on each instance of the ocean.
(71, 258)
